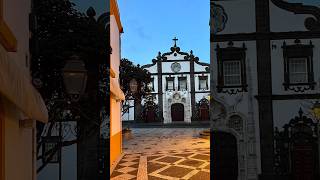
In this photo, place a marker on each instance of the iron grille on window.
(298, 70)
(232, 73)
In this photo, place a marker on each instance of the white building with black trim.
(265, 69)
(179, 89)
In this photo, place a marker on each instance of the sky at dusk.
(150, 25)
(99, 5)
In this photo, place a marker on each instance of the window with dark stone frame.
(298, 66)
(231, 69)
(152, 84)
(170, 80)
(203, 80)
(182, 83)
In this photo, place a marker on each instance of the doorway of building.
(204, 110)
(225, 156)
(177, 112)
(296, 147)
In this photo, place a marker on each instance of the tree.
(128, 72)
(59, 31)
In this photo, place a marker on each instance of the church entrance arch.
(296, 149)
(177, 112)
(204, 110)
(225, 156)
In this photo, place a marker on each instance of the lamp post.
(316, 112)
(75, 81)
(133, 86)
(75, 77)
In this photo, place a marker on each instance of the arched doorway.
(177, 112)
(296, 149)
(150, 112)
(204, 110)
(225, 156)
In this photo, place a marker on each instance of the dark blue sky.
(99, 5)
(150, 26)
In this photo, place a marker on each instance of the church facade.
(179, 89)
(265, 73)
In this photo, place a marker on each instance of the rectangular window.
(151, 84)
(298, 71)
(182, 83)
(232, 73)
(170, 83)
(203, 82)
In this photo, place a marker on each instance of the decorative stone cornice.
(311, 23)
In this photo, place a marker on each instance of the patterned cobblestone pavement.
(166, 153)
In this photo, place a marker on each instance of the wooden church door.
(204, 112)
(177, 112)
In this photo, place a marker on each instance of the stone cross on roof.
(175, 41)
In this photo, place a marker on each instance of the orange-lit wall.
(17, 158)
(115, 131)
(115, 102)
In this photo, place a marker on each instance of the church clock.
(175, 67)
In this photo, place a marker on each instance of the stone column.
(160, 88)
(192, 88)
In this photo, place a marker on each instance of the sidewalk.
(164, 153)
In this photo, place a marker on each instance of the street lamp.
(75, 77)
(133, 86)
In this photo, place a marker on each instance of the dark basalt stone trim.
(178, 60)
(264, 88)
(202, 63)
(202, 92)
(174, 50)
(311, 23)
(160, 93)
(192, 84)
(298, 50)
(182, 73)
(288, 96)
(264, 36)
(226, 54)
(196, 92)
(154, 62)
